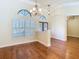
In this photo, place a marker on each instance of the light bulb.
(34, 9)
(30, 10)
(40, 9)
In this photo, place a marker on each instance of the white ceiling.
(44, 2)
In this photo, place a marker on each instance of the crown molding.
(71, 4)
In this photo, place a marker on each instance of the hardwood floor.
(59, 47)
(33, 50)
(72, 48)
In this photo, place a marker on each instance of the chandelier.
(36, 10)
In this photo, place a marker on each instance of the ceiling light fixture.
(36, 10)
(48, 9)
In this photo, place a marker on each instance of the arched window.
(42, 18)
(24, 12)
(23, 25)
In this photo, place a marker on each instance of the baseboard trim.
(73, 37)
(25, 43)
(45, 44)
(15, 44)
(58, 40)
(35, 42)
(42, 44)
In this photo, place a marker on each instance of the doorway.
(72, 37)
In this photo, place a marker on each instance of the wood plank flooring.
(72, 48)
(69, 49)
(58, 47)
(33, 50)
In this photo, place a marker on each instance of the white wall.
(59, 20)
(44, 38)
(73, 26)
(8, 10)
(59, 24)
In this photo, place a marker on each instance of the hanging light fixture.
(48, 9)
(36, 10)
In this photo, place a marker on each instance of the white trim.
(45, 44)
(71, 4)
(72, 15)
(73, 36)
(13, 44)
